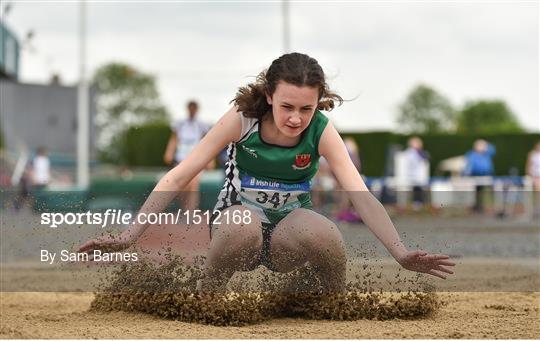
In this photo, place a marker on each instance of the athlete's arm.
(371, 211)
(226, 130)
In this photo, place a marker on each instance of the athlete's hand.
(421, 261)
(107, 243)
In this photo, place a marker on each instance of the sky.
(374, 53)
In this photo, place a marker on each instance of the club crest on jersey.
(302, 161)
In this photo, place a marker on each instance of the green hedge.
(145, 146)
(373, 147)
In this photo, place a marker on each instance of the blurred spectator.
(353, 150)
(24, 188)
(417, 169)
(186, 134)
(391, 169)
(508, 190)
(479, 162)
(36, 176)
(323, 186)
(533, 166)
(41, 169)
(533, 170)
(346, 210)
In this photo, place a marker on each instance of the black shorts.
(266, 229)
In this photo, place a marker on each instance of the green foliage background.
(126, 97)
(487, 116)
(425, 110)
(144, 145)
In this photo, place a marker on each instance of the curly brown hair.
(294, 68)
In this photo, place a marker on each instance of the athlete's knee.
(309, 226)
(286, 254)
(327, 238)
(237, 237)
(241, 234)
(234, 252)
(324, 245)
(305, 235)
(300, 217)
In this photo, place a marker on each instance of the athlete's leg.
(233, 247)
(306, 236)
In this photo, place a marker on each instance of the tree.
(485, 116)
(126, 97)
(426, 111)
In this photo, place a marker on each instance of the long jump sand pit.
(461, 315)
(495, 292)
(444, 314)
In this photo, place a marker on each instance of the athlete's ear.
(268, 99)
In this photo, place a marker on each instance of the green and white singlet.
(271, 180)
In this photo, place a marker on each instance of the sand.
(495, 293)
(462, 315)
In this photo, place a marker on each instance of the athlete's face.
(293, 107)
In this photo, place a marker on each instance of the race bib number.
(274, 195)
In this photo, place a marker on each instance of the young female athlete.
(276, 134)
